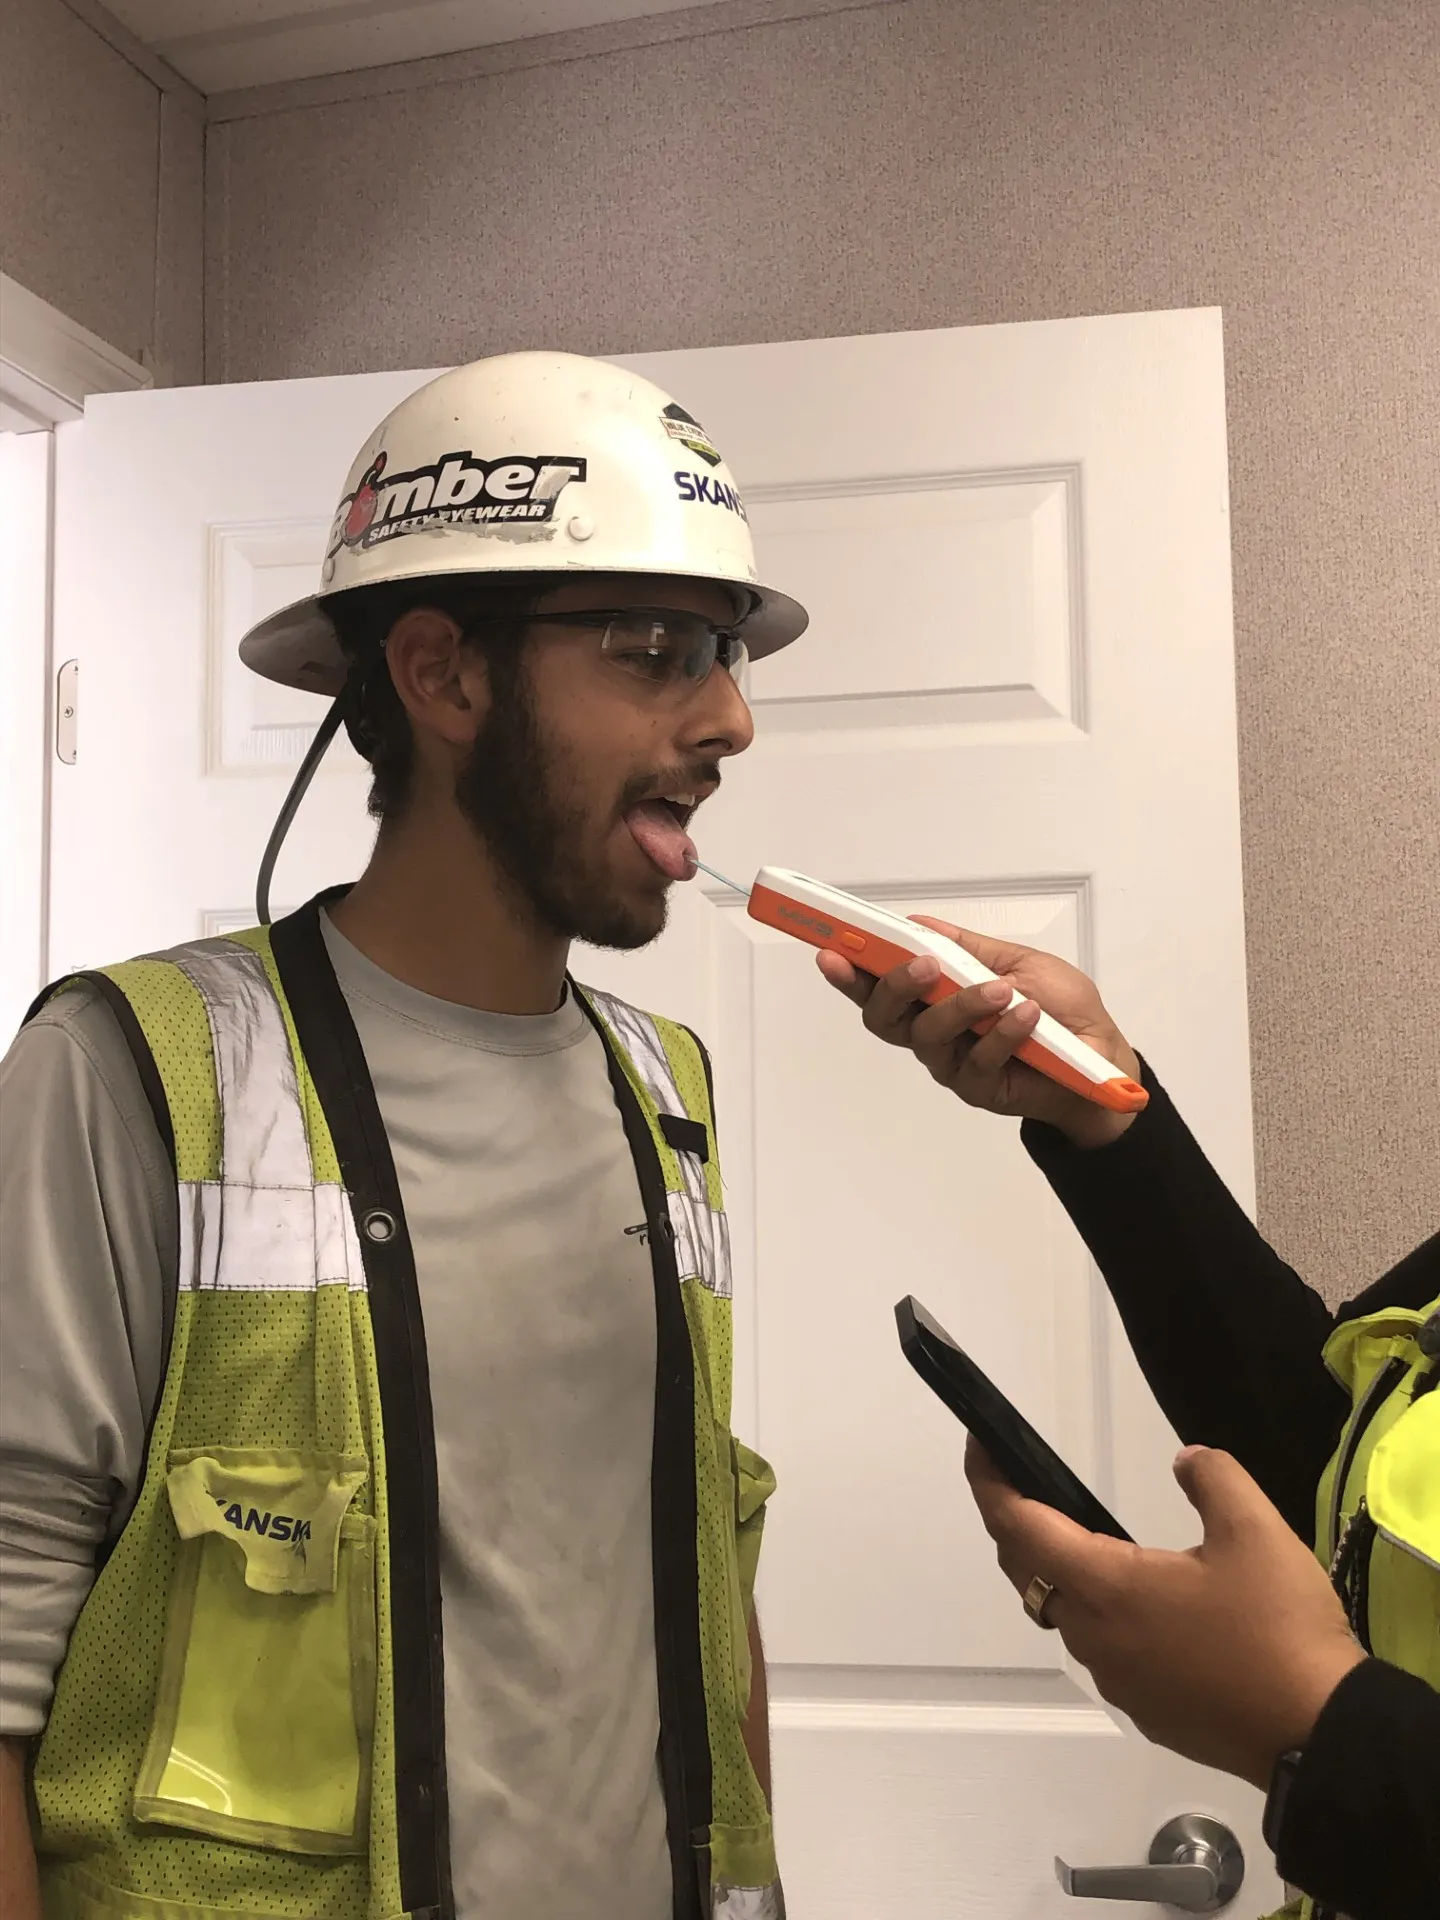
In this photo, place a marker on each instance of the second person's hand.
(1225, 1653)
(981, 1068)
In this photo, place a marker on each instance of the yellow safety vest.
(248, 1718)
(1378, 1503)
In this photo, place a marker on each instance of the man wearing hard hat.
(386, 1548)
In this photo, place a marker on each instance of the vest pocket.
(749, 1481)
(265, 1706)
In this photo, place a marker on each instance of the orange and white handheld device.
(876, 941)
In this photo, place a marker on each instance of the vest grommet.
(379, 1226)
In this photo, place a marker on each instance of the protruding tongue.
(658, 833)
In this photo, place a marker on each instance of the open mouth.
(681, 806)
(659, 830)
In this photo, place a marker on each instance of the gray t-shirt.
(539, 1319)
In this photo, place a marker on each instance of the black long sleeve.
(1362, 1824)
(1228, 1337)
(1230, 1340)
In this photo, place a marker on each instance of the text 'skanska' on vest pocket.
(265, 1709)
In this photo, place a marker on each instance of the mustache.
(680, 779)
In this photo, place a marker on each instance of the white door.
(1014, 707)
(25, 469)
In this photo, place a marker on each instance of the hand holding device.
(968, 1048)
(869, 937)
(1225, 1653)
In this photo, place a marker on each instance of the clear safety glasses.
(667, 648)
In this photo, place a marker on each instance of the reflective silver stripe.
(639, 1036)
(702, 1235)
(702, 1241)
(263, 1140)
(237, 1239)
(748, 1903)
(338, 1259)
(264, 1226)
(1408, 1546)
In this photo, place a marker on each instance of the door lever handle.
(1196, 1864)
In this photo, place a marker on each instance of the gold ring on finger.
(1037, 1597)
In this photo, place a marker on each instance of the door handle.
(1196, 1864)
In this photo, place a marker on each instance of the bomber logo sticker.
(688, 431)
(457, 490)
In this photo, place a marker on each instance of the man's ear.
(441, 683)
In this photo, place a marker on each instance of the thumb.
(1221, 1492)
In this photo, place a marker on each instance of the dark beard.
(513, 794)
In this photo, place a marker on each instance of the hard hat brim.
(298, 646)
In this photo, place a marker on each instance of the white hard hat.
(528, 463)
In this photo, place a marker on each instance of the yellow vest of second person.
(1378, 1503)
(248, 1719)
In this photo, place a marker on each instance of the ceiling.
(247, 43)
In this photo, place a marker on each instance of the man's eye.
(651, 663)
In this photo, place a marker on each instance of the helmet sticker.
(701, 487)
(363, 503)
(457, 490)
(688, 431)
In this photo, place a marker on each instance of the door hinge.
(67, 707)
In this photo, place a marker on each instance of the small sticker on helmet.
(457, 490)
(688, 431)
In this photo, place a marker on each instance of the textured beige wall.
(938, 162)
(101, 188)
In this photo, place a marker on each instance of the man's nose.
(718, 722)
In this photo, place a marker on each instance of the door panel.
(1014, 709)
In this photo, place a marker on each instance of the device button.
(854, 941)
